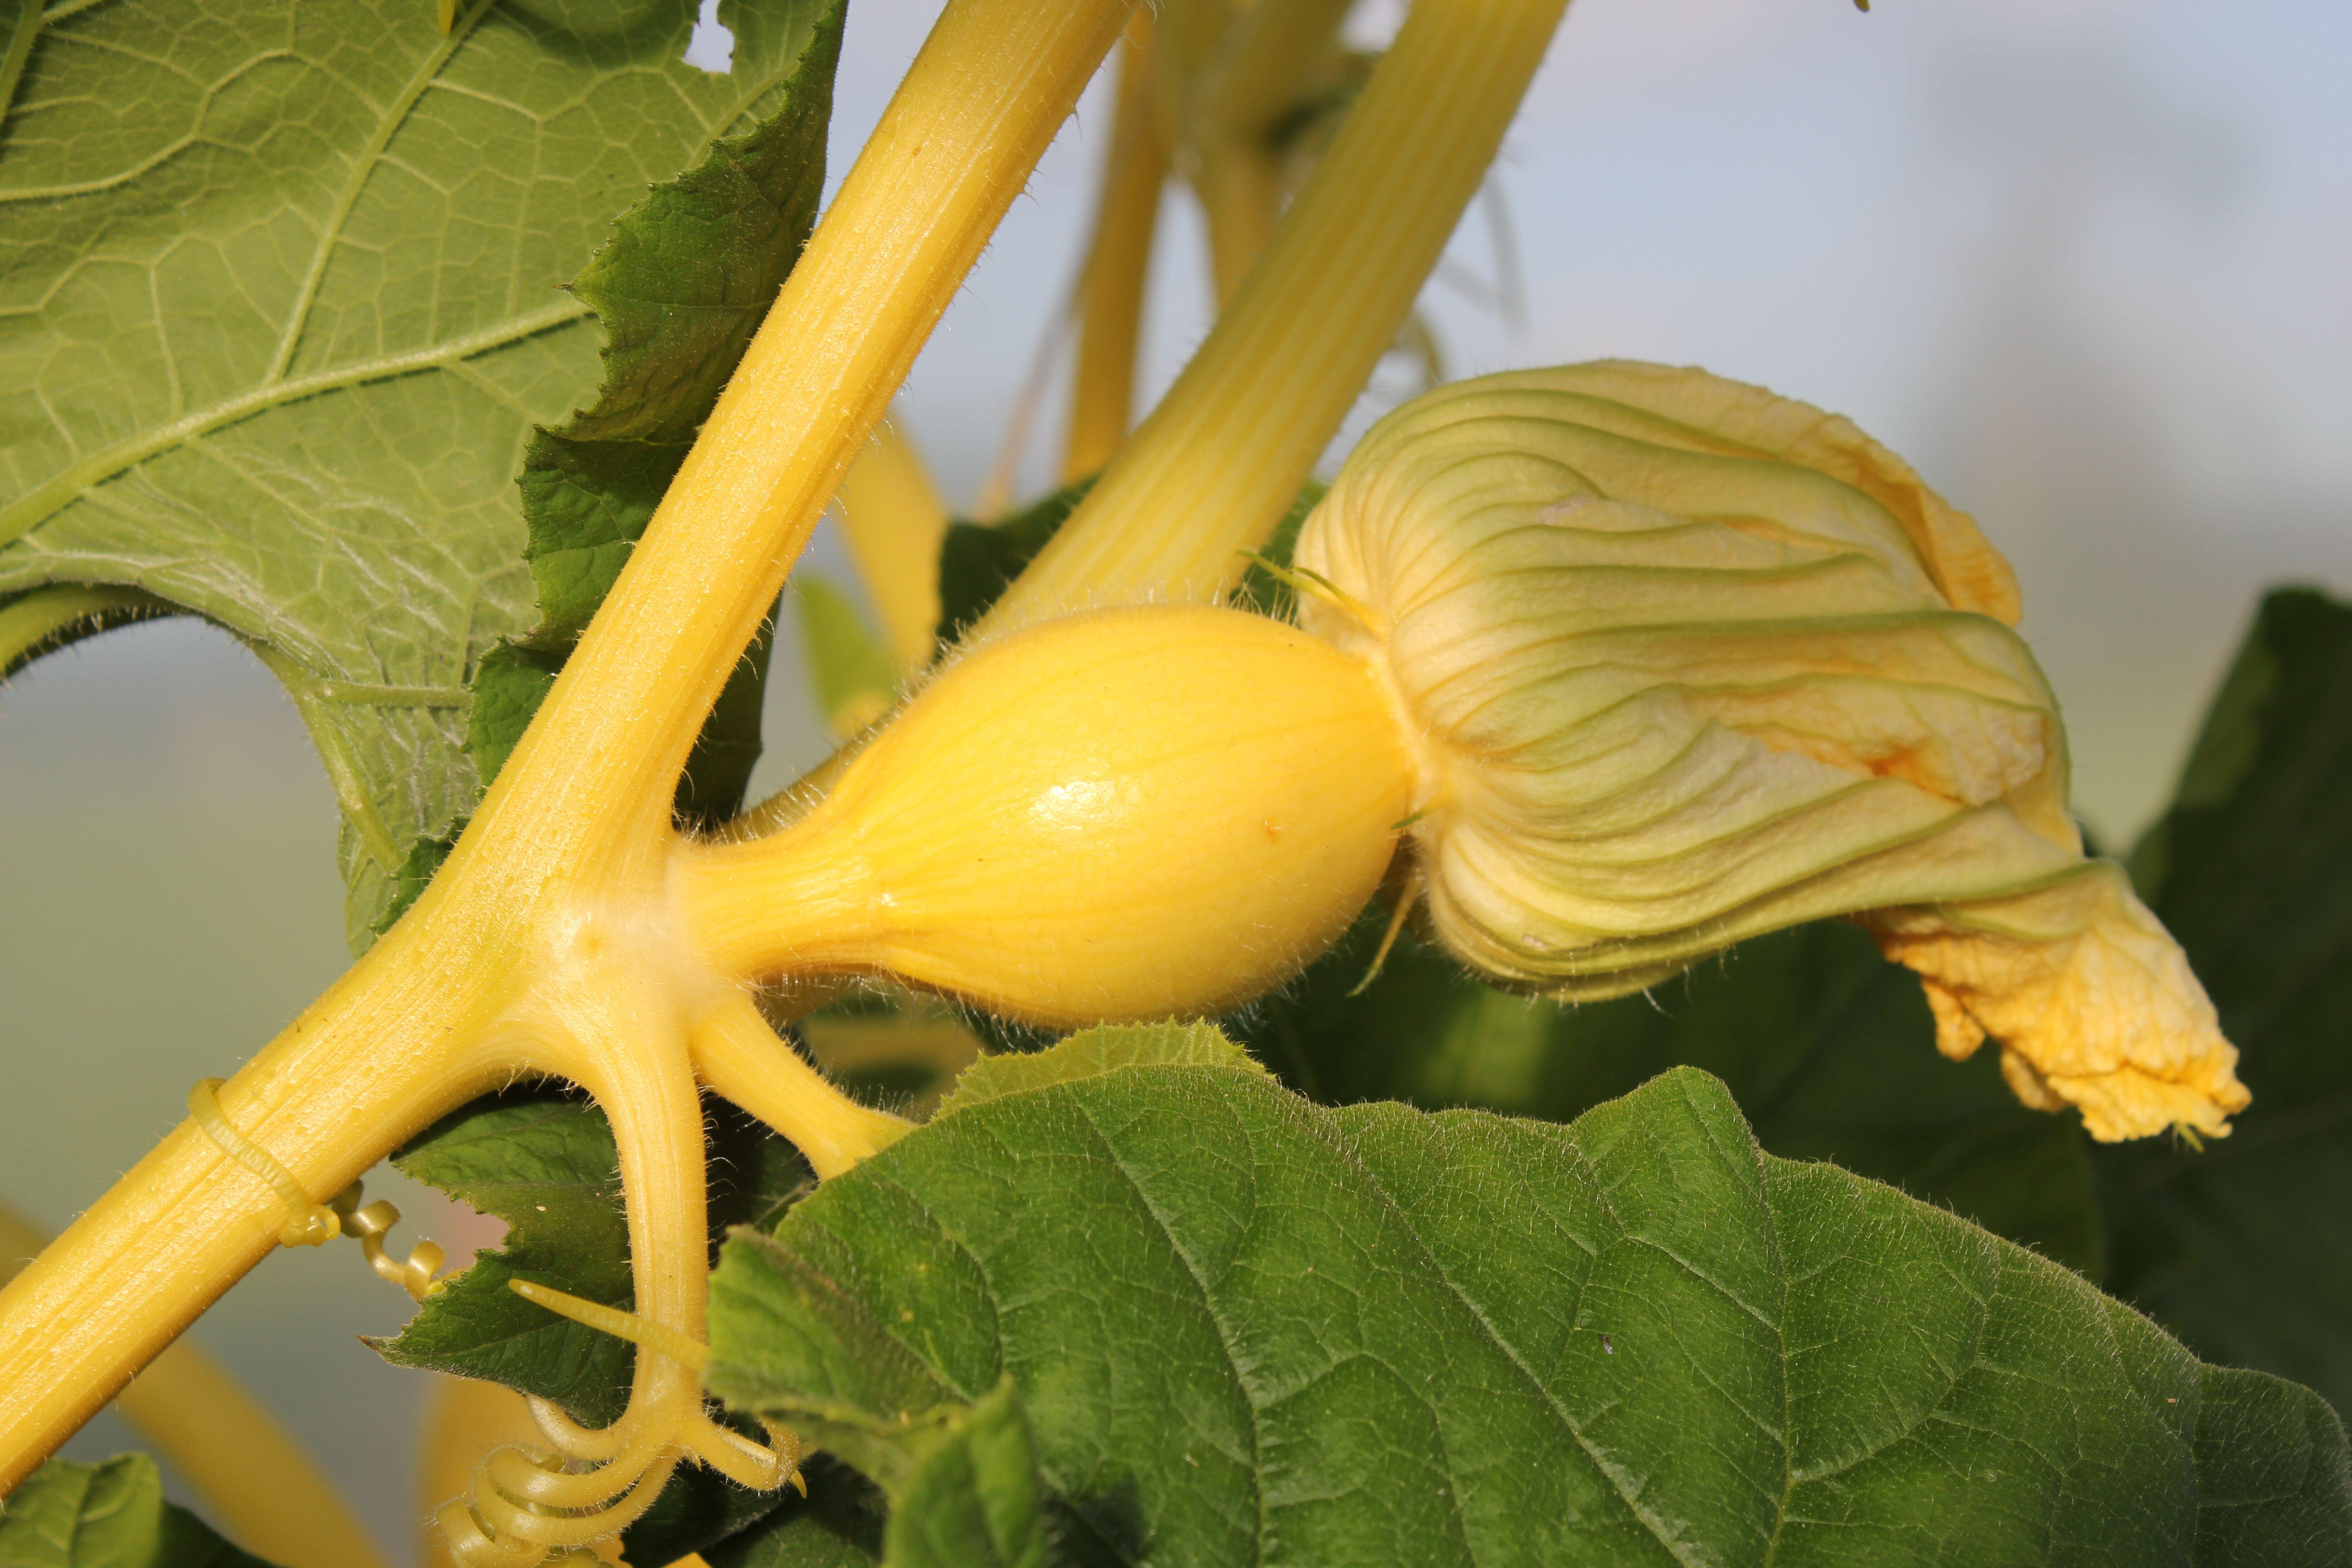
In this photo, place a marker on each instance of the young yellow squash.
(1141, 812)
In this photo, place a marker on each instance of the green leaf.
(973, 1499)
(281, 308)
(112, 1515)
(839, 1525)
(851, 674)
(2245, 1250)
(1246, 1327)
(1829, 1050)
(542, 1159)
(680, 286)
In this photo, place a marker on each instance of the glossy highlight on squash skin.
(1194, 802)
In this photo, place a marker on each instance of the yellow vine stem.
(1218, 462)
(1275, 52)
(548, 944)
(260, 1484)
(895, 520)
(736, 1053)
(1118, 262)
(307, 1224)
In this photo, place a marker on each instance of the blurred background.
(2087, 263)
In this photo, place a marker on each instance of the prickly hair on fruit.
(1681, 662)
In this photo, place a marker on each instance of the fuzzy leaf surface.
(1247, 1328)
(1829, 1050)
(111, 1515)
(280, 307)
(2245, 1249)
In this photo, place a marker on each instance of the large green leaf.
(112, 1515)
(680, 286)
(542, 1159)
(1247, 1328)
(281, 308)
(1829, 1050)
(2245, 1249)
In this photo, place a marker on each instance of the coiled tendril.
(530, 1504)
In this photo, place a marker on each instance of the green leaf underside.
(542, 1159)
(679, 288)
(1246, 1327)
(2245, 1250)
(275, 344)
(1829, 1050)
(111, 1515)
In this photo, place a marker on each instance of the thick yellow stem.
(259, 1483)
(388, 1049)
(571, 845)
(1275, 55)
(895, 520)
(991, 85)
(1218, 461)
(1118, 261)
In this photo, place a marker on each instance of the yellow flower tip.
(2093, 1004)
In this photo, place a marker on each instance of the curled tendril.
(315, 1224)
(369, 1225)
(530, 1505)
(307, 1224)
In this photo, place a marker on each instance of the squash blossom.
(1680, 662)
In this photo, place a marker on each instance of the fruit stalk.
(1213, 470)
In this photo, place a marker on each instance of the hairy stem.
(571, 845)
(33, 623)
(1218, 461)
(261, 1485)
(739, 1056)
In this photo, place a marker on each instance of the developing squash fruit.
(1128, 814)
(1647, 662)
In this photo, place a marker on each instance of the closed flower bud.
(1680, 662)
